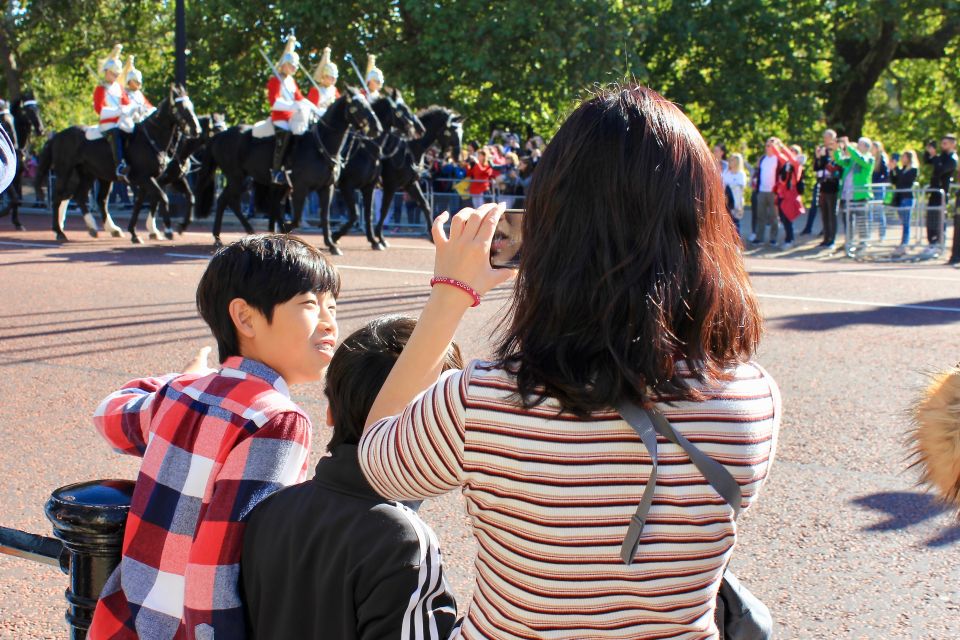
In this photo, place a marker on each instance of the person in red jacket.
(326, 75)
(480, 173)
(788, 191)
(111, 103)
(283, 94)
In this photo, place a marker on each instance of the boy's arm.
(275, 456)
(123, 417)
(402, 592)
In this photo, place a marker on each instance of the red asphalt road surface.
(842, 543)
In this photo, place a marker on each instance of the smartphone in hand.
(507, 240)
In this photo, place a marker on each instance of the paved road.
(841, 545)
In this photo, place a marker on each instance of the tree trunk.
(864, 63)
(11, 72)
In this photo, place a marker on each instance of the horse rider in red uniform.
(111, 103)
(134, 90)
(326, 75)
(283, 94)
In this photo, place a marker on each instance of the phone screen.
(507, 240)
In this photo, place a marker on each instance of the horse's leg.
(237, 205)
(416, 192)
(351, 203)
(103, 193)
(58, 212)
(325, 196)
(135, 216)
(276, 211)
(81, 197)
(385, 204)
(218, 216)
(368, 217)
(183, 187)
(158, 200)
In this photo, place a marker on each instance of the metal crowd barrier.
(88, 520)
(879, 232)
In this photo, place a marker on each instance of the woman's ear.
(242, 315)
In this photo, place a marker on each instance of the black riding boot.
(114, 140)
(281, 139)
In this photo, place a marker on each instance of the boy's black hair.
(361, 366)
(264, 270)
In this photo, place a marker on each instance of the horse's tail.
(204, 188)
(43, 167)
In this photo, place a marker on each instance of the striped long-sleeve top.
(550, 497)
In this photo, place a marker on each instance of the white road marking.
(28, 244)
(861, 303)
(886, 273)
(339, 266)
(187, 255)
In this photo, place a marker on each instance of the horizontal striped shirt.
(550, 497)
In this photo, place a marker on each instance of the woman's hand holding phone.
(465, 254)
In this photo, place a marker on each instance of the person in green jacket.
(857, 164)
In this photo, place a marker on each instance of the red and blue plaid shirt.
(213, 446)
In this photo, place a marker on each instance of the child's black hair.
(361, 366)
(264, 270)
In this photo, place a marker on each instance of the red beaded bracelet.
(463, 286)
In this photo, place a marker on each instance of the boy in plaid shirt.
(215, 443)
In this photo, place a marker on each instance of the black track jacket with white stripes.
(330, 559)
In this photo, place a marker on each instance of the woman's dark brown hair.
(630, 262)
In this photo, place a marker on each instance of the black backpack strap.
(647, 423)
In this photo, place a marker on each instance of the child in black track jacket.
(330, 558)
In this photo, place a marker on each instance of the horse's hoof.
(180, 229)
(376, 246)
(249, 230)
(168, 234)
(383, 243)
(62, 237)
(153, 236)
(217, 242)
(19, 227)
(135, 239)
(93, 233)
(116, 233)
(335, 250)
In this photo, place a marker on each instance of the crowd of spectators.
(846, 176)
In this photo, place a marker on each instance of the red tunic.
(100, 100)
(314, 96)
(274, 92)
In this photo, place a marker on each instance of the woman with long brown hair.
(630, 288)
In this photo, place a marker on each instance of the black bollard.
(89, 518)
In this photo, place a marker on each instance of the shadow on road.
(905, 509)
(943, 311)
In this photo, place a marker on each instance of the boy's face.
(300, 340)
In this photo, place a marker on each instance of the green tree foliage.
(743, 69)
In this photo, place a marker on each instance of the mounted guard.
(134, 83)
(112, 105)
(287, 106)
(374, 78)
(326, 75)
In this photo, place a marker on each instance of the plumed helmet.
(326, 68)
(130, 72)
(372, 72)
(112, 62)
(290, 54)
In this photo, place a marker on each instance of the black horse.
(26, 118)
(362, 168)
(401, 170)
(314, 159)
(189, 151)
(79, 162)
